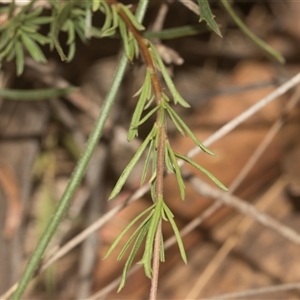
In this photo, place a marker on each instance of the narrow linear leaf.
(130, 166)
(96, 5)
(125, 247)
(80, 29)
(41, 20)
(124, 35)
(40, 38)
(206, 15)
(150, 101)
(168, 161)
(56, 27)
(260, 43)
(180, 181)
(120, 236)
(176, 232)
(7, 50)
(147, 257)
(132, 18)
(177, 97)
(19, 58)
(147, 116)
(136, 46)
(144, 91)
(33, 14)
(71, 52)
(133, 253)
(29, 28)
(153, 185)
(176, 123)
(188, 131)
(203, 170)
(11, 55)
(162, 248)
(35, 95)
(71, 31)
(5, 39)
(33, 48)
(88, 23)
(177, 32)
(115, 23)
(147, 162)
(108, 16)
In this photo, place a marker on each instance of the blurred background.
(40, 142)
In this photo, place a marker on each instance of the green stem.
(260, 43)
(78, 172)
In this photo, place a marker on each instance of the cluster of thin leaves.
(147, 228)
(19, 36)
(21, 33)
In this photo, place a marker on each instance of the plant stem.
(155, 265)
(78, 172)
(160, 122)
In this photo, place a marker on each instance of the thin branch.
(144, 189)
(226, 248)
(240, 229)
(243, 207)
(247, 114)
(95, 180)
(160, 123)
(77, 174)
(260, 291)
(190, 5)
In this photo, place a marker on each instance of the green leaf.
(88, 23)
(260, 43)
(155, 219)
(33, 49)
(33, 14)
(207, 16)
(35, 95)
(41, 39)
(131, 165)
(96, 5)
(127, 244)
(19, 58)
(131, 49)
(133, 253)
(71, 31)
(8, 49)
(120, 236)
(115, 23)
(147, 162)
(132, 18)
(57, 24)
(168, 161)
(177, 171)
(147, 116)
(5, 39)
(187, 130)
(28, 29)
(108, 16)
(135, 45)
(72, 50)
(176, 32)
(176, 232)
(79, 27)
(41, 20)
(203, 170)
(145, 93)
(124, 35)
(177, 97)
